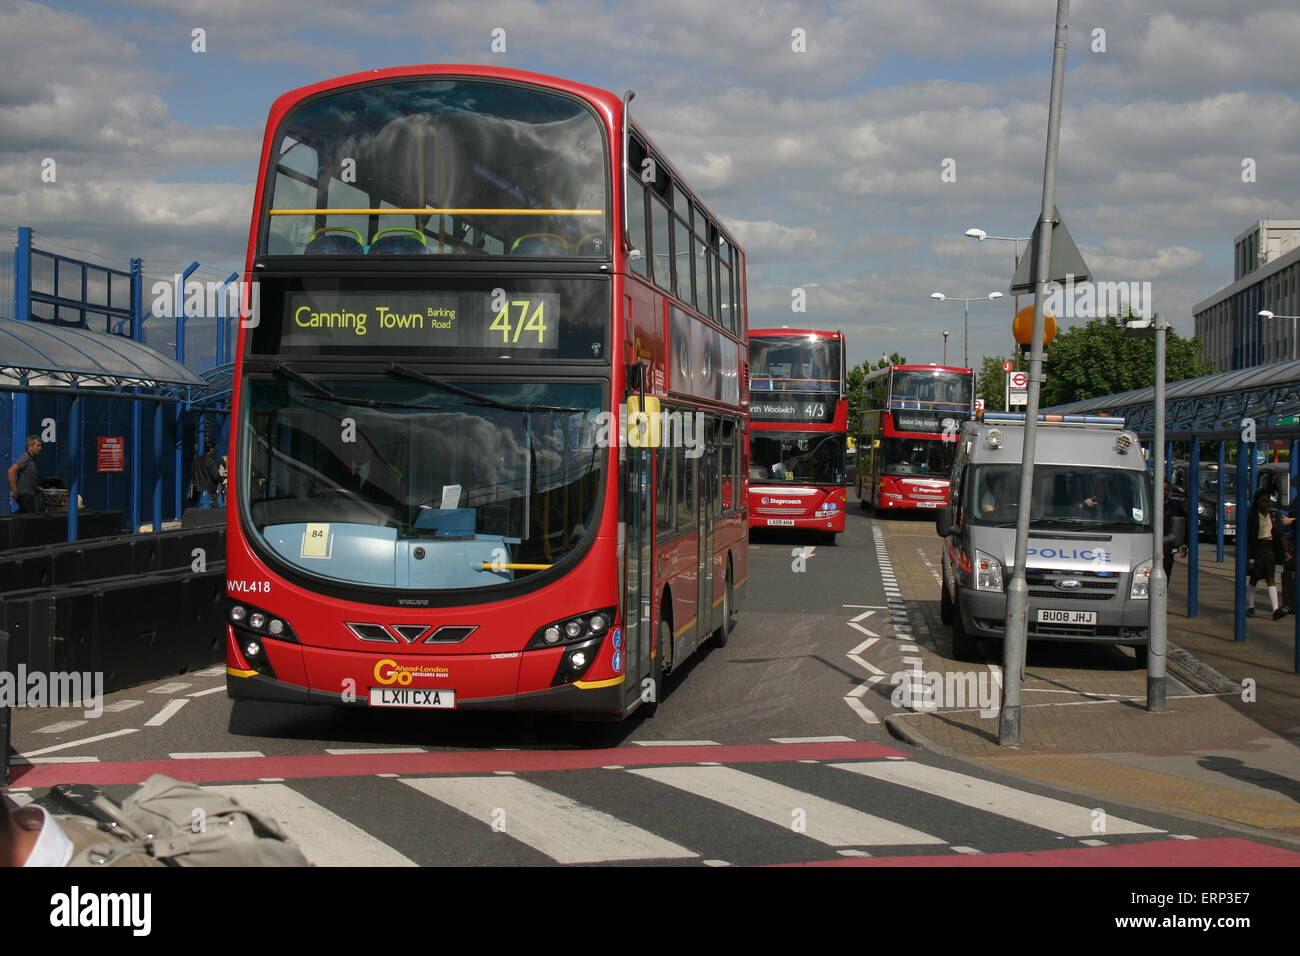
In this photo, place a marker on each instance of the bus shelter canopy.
(35, 355)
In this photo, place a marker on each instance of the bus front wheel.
(723, 632)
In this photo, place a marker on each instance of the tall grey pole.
(965, 333)
(1017, 589)
(1157, 594)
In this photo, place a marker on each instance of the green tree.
(992, 383)
(863, 395)
(1099, 359)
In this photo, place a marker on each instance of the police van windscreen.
(1109, 499)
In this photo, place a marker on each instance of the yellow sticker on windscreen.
(316, 541)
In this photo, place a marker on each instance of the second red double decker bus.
(906, 447)
(472, 281)
(799, 414)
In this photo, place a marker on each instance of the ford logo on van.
(1069, 584)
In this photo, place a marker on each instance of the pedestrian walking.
(205, 476)
(1264, 549)
(23, 478)
(1173, 509)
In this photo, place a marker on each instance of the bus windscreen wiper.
(401, 371)
(282, 370)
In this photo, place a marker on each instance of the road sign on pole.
(1065, 260)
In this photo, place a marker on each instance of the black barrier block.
(51, 629)
(178, 548)
(202, 517)
(27, 568)
(205, 628)
(4, 712)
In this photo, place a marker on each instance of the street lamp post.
(965, 333)
(946, 333)
(1266, 314)
(981, 235)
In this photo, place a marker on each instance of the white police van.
(1089, 558)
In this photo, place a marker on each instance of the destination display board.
(810, 407)
(545, 319)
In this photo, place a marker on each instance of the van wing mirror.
(943, 522)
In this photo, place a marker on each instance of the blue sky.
(826, 163)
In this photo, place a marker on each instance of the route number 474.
(526, 318)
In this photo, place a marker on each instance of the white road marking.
(715, 863)
(210, 690)
(863, 616)
(325, 838)
(859, 627)
(60, 727)
(120, 705)
(1183, 836)
(33, 761)
(217, 755)
(676, 743)
(216, 670)
(970, 850)
(833, 739)
(1094, 842)
(1047, 813)
(352, 751)
(826, 822)
(170, 688)
(553, 824)
(166, 714)
(853, 853)
(78, 743)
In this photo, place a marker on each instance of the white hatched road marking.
(1047, 813)
(210, 690)
(826, 822)
(166, 714)
(118, 706)
(834, 739)
(77, 743)
(216, 670)
(325, 838)
(34, 761)
(553, 824)
(173, 687)
(344, 751)
(676, 743)
(217, 755)
(60, 727)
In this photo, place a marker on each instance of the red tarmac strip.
(1227, 851)
(478, 761)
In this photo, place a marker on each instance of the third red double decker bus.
(799, 415)
(472, 281)
(906, 446)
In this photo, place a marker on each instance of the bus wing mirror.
(943, 522)
(643, 422)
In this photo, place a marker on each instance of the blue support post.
(23, 313)
(1193, 527)
(223, 323)
(1223, 477)
(157, 466)
(137, 412)
(179, 451)
(74, 464)
(1245, 451)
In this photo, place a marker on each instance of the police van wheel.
(964, 647)
(945, 604)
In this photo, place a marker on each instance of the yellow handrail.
(437, 212)
(495, 566)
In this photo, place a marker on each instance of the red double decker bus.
(469, 281)
(906, 447)
(799, 415)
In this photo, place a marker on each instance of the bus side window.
(664, 502)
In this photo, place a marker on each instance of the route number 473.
(512, 326)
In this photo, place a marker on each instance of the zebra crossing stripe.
(1046, 813)
(325, 838)
(553, 824)
(823, 820)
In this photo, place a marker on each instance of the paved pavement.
(1219, 752)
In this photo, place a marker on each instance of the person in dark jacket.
(23, 478)
(1173, 509)
(1265, 548)
(205, 476)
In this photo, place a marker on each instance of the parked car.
(1206, 497)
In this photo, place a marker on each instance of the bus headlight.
(1140, 590)
(988, 572)
(572, 629)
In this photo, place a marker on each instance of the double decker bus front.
(798, 430)
(421, 510)
(908, 447)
